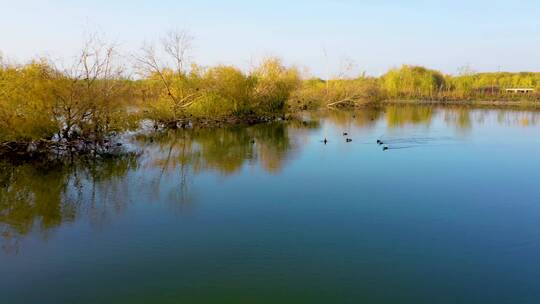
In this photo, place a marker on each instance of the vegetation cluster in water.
(82, 107)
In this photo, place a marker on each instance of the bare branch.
(177, 44)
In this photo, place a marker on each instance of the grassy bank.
(419, 85)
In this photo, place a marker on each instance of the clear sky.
(376, 35)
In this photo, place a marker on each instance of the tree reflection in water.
(38, 197)
(42, 196)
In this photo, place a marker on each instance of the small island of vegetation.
(83, 107)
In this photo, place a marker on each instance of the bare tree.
(466, 70)
(149, 64)
(347, 66)
(88, 89)
(177, 44)
(174, 56)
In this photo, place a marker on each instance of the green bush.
(26, 102)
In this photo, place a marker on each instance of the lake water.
(450, 213)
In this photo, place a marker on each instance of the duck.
(345, 133)
(379, 142)
(325, 141)
(385, 148)
(348, 140)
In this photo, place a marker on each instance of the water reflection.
(226, 150)
(43, 196)
(365, 118)
(399, 116)
(40, 197)
(522, 118)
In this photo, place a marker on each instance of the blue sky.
(376, 35)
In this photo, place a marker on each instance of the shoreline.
(55, 150)
(113, 145)
(491, 103)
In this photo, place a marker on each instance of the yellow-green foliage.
(339, 92)
(160, 104)
(274, 85)
(311, 95)
(412, 81)
(26, 102)
(336, 92)
(472, 85)
(224, 91)
(92, 101)
(39, 102)
(220, 91)
(90, 108)
(503, 80)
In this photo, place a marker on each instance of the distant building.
(519, 90)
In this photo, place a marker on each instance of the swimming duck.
(345, 133)
(348, 140)
(385, 148)
(325, 141)
(379, 142)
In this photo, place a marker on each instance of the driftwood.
(352, 99)
(339, 101)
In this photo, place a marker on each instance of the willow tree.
(274, 84)
(413, 82)
(26, 102)
(41, 100)
(224, 91)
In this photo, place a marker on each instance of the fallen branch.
(338, 102)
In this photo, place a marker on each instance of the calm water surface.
(450, 213)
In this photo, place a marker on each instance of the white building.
(520, 90)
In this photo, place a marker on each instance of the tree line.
(416, 83)
(95, 98)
